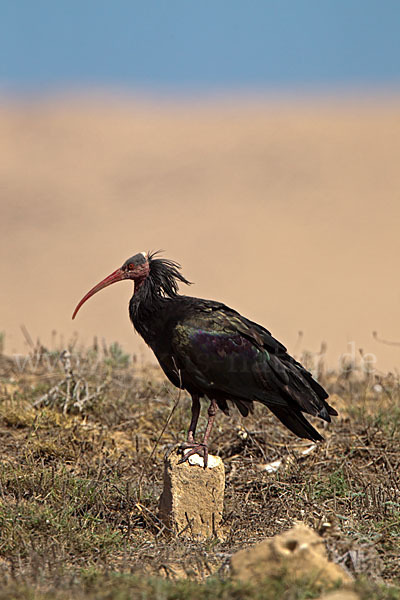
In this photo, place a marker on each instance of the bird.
(213, 352)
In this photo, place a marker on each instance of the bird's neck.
(137, 284)
(144, 309)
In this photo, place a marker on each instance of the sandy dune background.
(289, 212)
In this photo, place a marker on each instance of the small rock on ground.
(300, 550)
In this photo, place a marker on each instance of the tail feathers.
(322, 395)
(316, 387)
(331, 410)
(296, 422)
(300, 386)
(326, 412)
(244, 406)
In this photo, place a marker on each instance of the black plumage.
(212, 351)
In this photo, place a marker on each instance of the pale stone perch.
(192, 501)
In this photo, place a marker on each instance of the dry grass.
(81, 475)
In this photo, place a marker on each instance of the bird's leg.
(197, 448)
(195, 418)
(190, 443)
(212, 411)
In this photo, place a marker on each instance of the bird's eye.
(131, 266)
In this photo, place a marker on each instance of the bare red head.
(136, 268)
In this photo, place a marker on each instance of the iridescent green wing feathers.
(222, 353)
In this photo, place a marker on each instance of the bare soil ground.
(81, 474)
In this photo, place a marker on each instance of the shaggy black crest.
(164, 276)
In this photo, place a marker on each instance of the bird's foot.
(194, 448)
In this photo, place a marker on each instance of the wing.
(221, 353)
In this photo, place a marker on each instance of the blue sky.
(192, 45)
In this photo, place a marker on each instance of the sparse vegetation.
(80, 482)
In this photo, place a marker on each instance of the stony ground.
(83, 438)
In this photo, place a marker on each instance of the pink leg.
(195, 418)
(197, 448)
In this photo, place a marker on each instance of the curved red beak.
(118, 275)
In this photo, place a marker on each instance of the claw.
(200, 449)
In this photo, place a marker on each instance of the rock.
(299, 550)
(192, 501)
